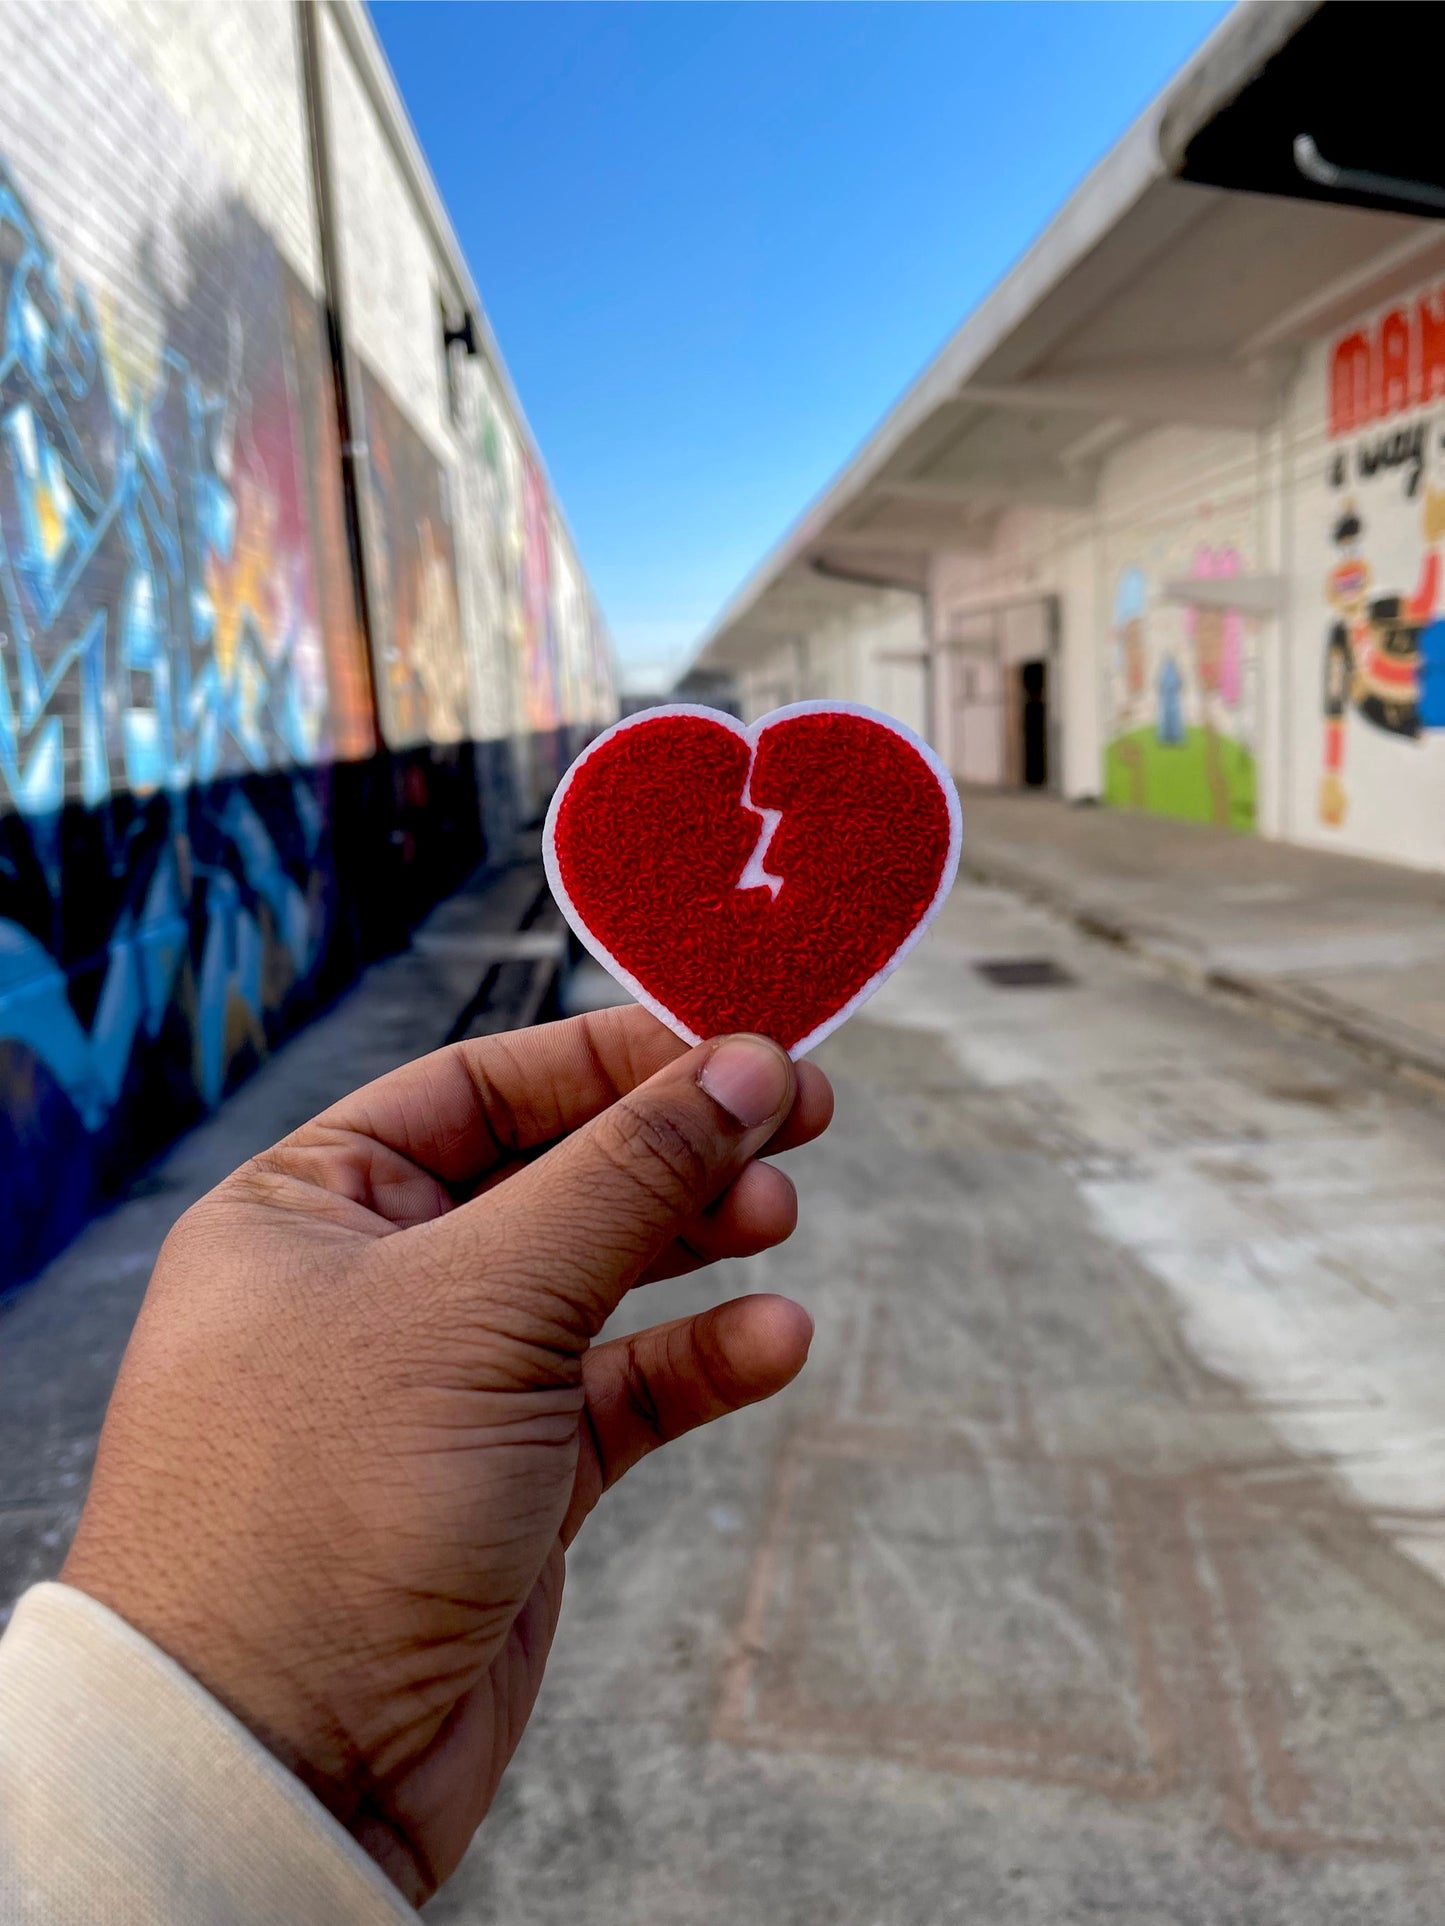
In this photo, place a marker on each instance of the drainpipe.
(343, 376)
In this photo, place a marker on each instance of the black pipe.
(329, 247)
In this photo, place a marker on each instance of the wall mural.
(213, 805)
(486, 482)
(160, 606)
(163, 688)
(543, 660)
(421, 679)
(1383, 672)
(1181, 693)
(351, 713)
(541, 693)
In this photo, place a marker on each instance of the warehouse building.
(1162, 525)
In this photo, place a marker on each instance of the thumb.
(582, 1223)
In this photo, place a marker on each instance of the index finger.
(465, 1109)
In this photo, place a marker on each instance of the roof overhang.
(1130, 310)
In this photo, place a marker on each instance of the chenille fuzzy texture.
(652, 836)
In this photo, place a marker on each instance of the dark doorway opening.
(1034, 723)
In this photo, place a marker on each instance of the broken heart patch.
(762, 878)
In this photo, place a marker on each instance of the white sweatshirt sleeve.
(129, 1796)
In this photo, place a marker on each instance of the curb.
(1287, 1001)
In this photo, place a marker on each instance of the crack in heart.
(754, 876)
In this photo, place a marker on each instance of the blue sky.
(717, 241)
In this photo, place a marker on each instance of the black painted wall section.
(189, 934)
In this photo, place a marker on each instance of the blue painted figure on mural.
(1432, 674)
(1169, 725)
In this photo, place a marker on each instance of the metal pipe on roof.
(1360, 180)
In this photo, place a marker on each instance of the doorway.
(992, 714)
(1033, 723)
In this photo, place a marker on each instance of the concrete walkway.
(1355, 948)
(1093, 1568)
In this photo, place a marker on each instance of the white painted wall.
(388, 265)
(872, 652)
(234, 72)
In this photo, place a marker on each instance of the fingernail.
(749, 1078)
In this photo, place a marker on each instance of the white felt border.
(750, 734)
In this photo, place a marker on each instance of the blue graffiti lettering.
(120, 677)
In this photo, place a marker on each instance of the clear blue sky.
(717, 241)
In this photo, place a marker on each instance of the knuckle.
(639, 1394)
(661, 1154)
(483, 1060)
(710, 1366)
(261, 1176)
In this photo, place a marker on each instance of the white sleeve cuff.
(129, 1795)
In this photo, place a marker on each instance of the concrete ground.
(1092, 1570)
(1352, 947)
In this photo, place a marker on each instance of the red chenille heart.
(764, 878)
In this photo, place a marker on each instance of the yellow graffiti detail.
(51, 524)
(241, 586)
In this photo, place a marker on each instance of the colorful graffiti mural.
(541, 692)
(351, 715)
(1383, 680)
(421, 681)
(487, 491)
(218, 797)
(160, 644)
(541, 666)
(160, 609)
(1181, 696)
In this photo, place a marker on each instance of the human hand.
(362, 1415)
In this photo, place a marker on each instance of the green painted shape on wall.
(1207, 778)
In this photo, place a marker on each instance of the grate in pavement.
(1025, 973)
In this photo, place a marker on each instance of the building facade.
(291, 628)
(1163, 525)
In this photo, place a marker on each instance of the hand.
(361, 1416)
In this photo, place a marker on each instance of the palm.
(401, 1301)
(441, 1797)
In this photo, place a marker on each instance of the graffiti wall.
(523, 657)
(491, 554)
(1371, 729)
(541, 695)
(421, 680)
(218, 796)
(1181, 676)
(165, 700)
(351, 714)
